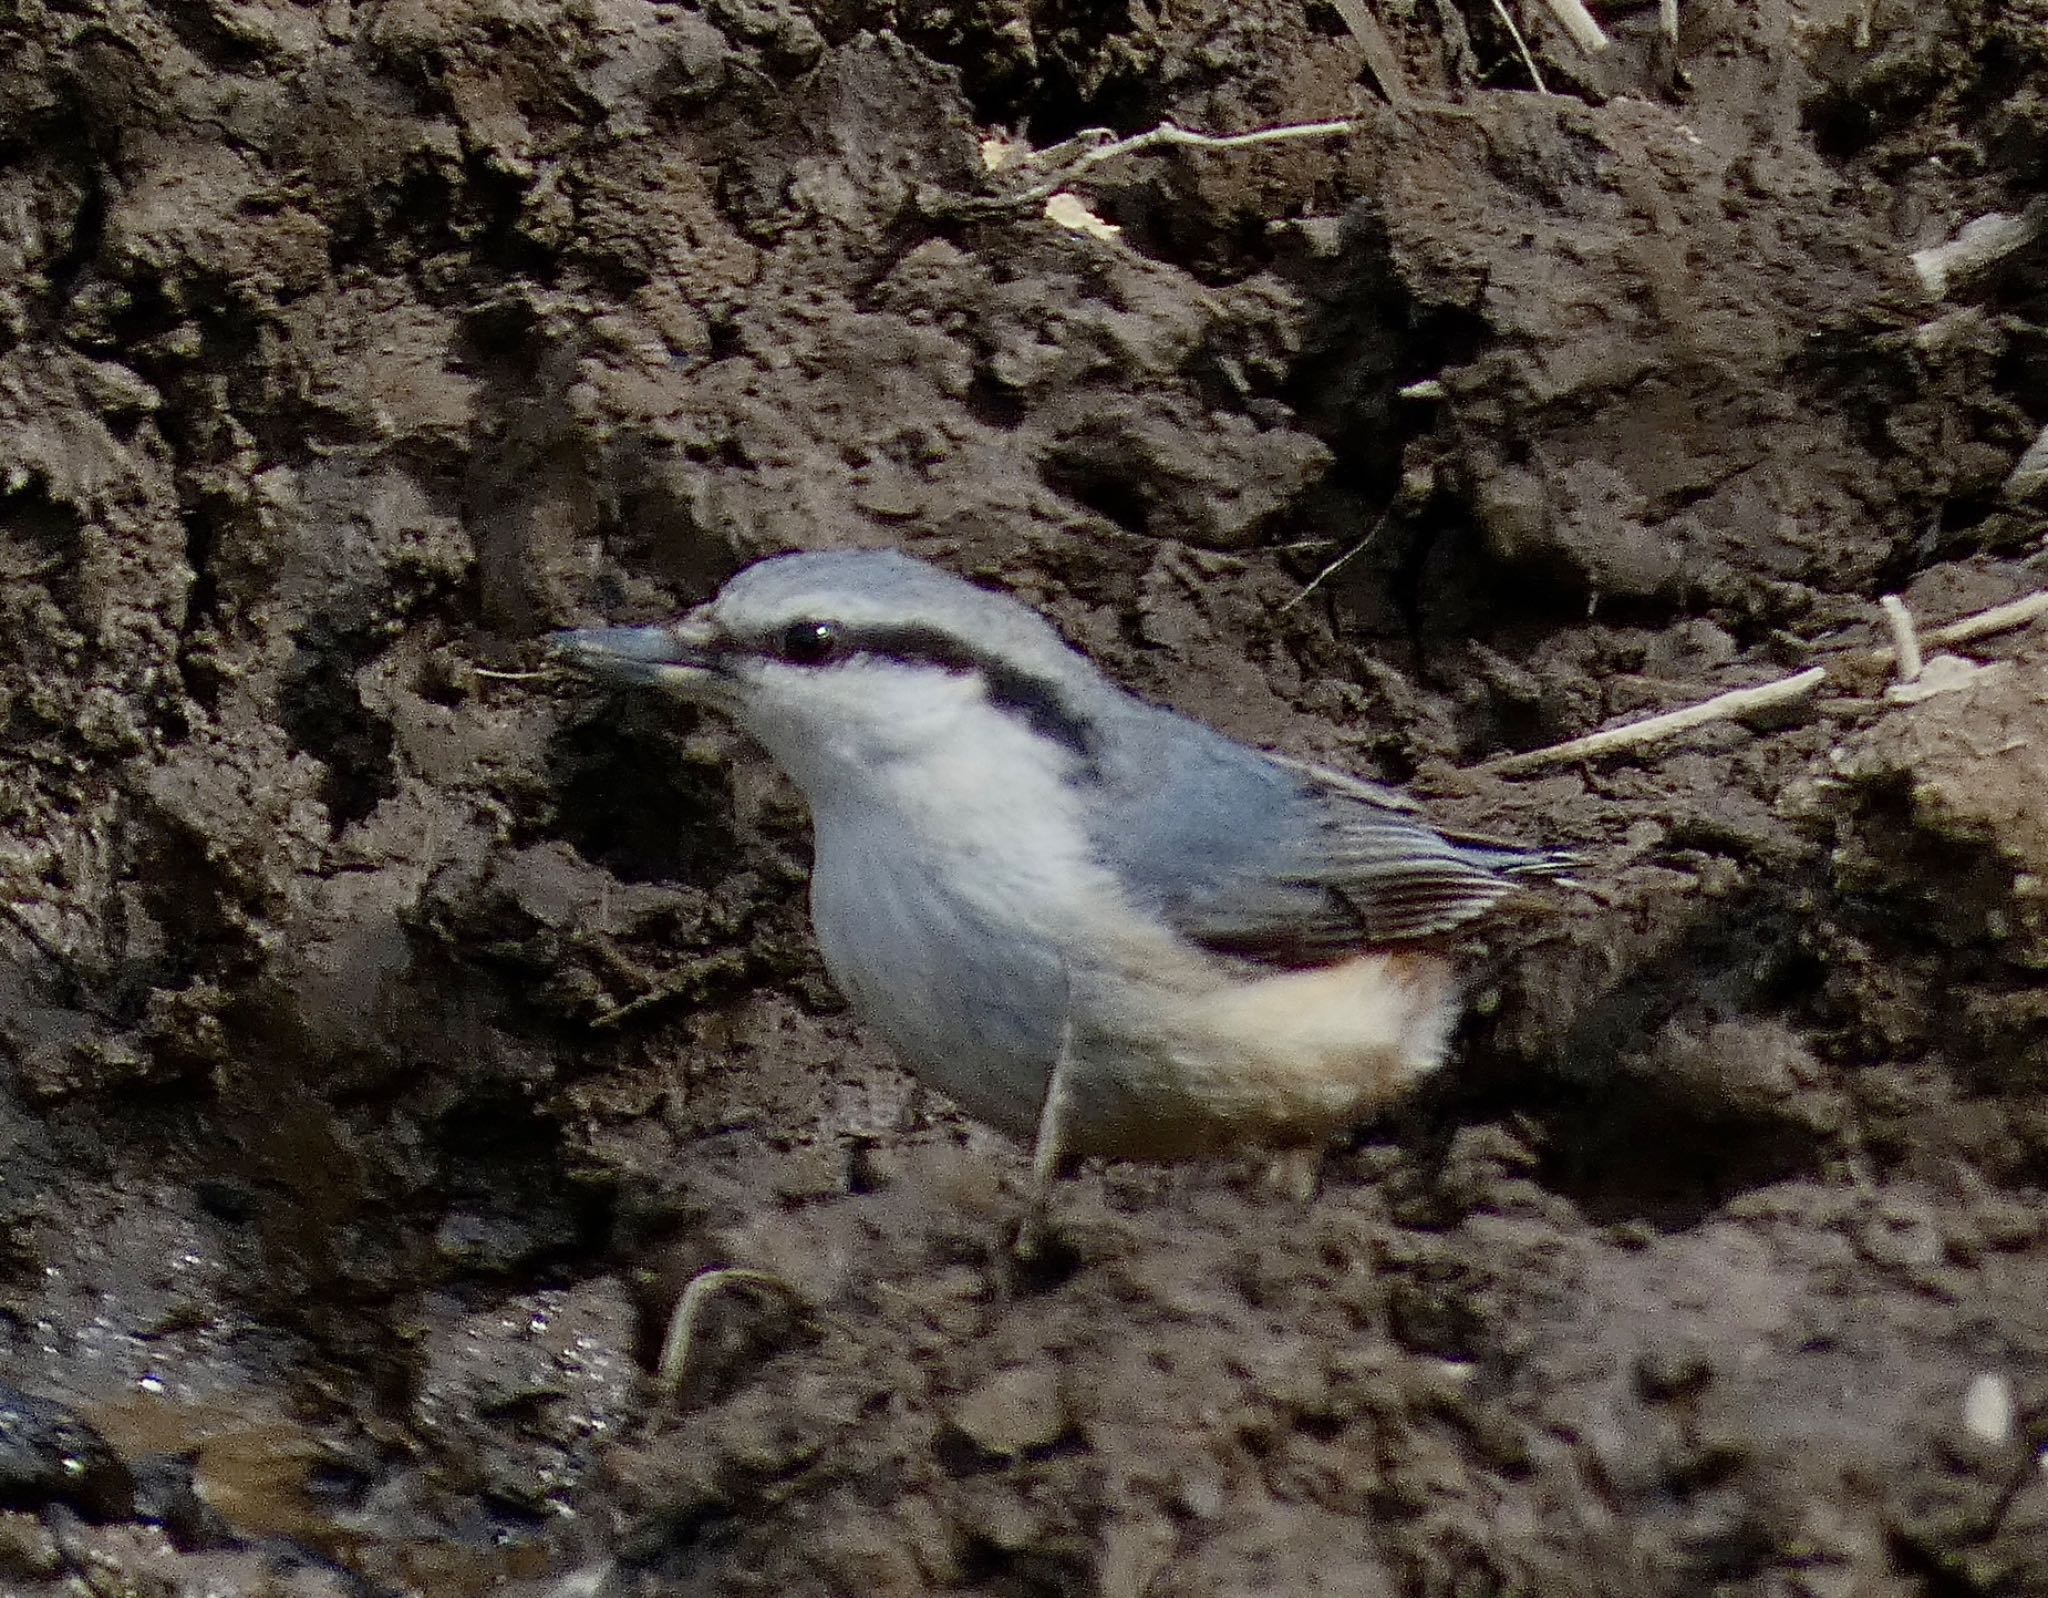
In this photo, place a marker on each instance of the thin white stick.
(1049, 1148)
(509, 676)
(1667, 19)
(1652, 729)
(1905, 638)
(1521, 44)
(1741, 701)
(1587, 34)
(1977, 245)
(1998, 619)
(1068, 166)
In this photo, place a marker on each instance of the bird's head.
(845, 663)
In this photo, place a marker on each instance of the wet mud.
(387, 1042)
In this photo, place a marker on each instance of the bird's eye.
(809, 643)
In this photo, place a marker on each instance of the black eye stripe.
(1037, 701)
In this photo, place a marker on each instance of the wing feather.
(1290, 864)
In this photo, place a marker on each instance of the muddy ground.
(386, 1044)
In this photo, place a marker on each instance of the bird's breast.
(950, 932)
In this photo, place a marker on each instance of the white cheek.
(971, 800)
(839, 731)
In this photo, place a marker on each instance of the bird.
(1094, 923)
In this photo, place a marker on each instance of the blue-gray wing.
(1287, 863)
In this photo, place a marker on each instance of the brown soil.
(387, 1044)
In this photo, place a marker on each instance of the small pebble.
(1988, 1408)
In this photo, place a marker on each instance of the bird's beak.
(679, 655)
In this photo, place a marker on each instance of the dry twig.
(1920, 676)
(2005, 618)
(1998, 619)
(1654, 729)
(1906, 652)
(1379, 52)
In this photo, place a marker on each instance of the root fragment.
(674, 1366)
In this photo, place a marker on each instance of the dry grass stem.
(1587, 34)
(1350, 554)
(1521, 44)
